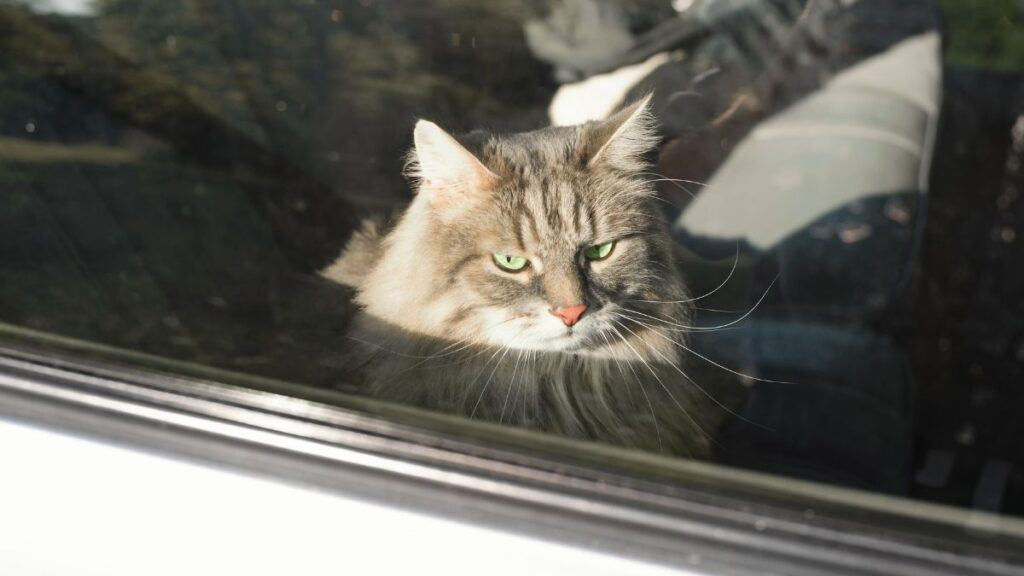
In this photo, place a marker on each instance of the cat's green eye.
(510, 263)
(599, 251)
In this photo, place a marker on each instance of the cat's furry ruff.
(442, 327)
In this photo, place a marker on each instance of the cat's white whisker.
(483, 349)
(677, 182)
(660, 382)
(678, 327)
(647, 397)
(452, 353)
(511, 383)
(735, 262)
(705, 358)
(490, 377)
(618, 363)
(684, 374)
(660, 175)
(413, 356)
(684, 328)
(718, 310)
(521, 392)
(744, 316)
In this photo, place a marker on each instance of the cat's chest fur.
(626, 403)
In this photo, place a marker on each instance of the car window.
(837, 183)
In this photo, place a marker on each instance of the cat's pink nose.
(570, 314)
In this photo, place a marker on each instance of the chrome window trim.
(726, 527)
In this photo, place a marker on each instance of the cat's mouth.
(539, 332)
(582, 337)
(570, 341)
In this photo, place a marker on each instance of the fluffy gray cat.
(530, 282)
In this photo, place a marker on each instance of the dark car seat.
(827, 196)
(798, 141)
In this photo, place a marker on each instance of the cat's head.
(536, 241)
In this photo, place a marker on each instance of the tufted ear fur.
(621, 141)
(448, 173)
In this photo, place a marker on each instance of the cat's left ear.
(623, 139)
(448, 172)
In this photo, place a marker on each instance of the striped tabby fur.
(442, 327)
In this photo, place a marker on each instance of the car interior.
(843, 191)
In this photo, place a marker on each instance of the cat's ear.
(447, 171)
(623, 139)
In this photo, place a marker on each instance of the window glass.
(786, 240)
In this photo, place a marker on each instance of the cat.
(530, 282)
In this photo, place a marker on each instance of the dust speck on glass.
(779, 235)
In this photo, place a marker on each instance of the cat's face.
(552, 257)
(536, 241)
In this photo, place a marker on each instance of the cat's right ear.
(622, 140)
(447, 172)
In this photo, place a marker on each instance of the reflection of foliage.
(168, 165)
(334, 86)
(985, 33)
(22, 150)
